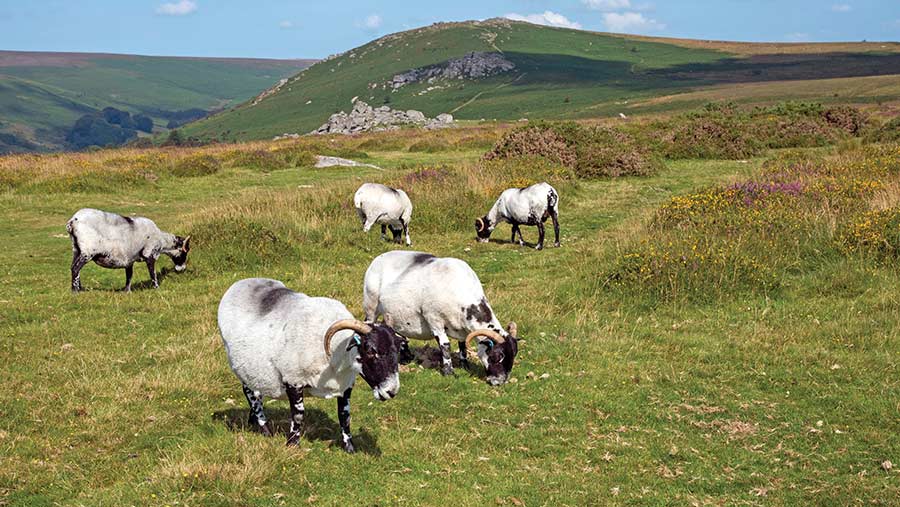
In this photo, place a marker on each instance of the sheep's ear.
(513, 330)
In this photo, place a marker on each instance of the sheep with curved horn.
(282, 343)
(425, 297)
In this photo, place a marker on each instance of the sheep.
(424, 297)
(282, 343)
(380, 204)
(116, 242)
(522, 206)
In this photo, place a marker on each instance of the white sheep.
(117, 242)
(380, 204)
(282, 343)
(522, 206)
(424, 297)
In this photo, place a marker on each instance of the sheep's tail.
(552, 200)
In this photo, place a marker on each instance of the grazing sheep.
(522, 206)
(116, 242)
(282, 343)
(425, 297)
(380, 204)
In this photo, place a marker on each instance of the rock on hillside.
(365, 118)
(474, 65)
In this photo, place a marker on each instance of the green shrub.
(430, 145)
(887, 133)
(196, 165)
(591, 152)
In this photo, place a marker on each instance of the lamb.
(282, 343)
(522, 206)
(425, 297)
(379, 204)
(116, 242)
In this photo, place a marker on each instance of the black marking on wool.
(480, 312)
(129, 221)
(422, 259)
(272, 298)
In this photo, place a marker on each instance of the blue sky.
(315, 28)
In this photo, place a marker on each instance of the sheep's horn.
(185, 243)
(480, 224)
(493, 335)
(359, 327)
(512, 329)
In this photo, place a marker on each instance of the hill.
(558, 73)
(43, 94)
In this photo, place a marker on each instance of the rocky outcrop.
(365, 118)
(323, 161)
(475, 65)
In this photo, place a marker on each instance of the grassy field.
(559, 73)
(621, 394)
(42, 94)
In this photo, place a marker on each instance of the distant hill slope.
(43, 94)
(559, 73)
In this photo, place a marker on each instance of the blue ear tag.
(490, 344)
(355, 342)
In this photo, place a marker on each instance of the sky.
(316, 28)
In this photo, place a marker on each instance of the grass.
(126, 399)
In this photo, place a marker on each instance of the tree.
(174, 139)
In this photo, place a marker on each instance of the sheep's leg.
(384, 231)
(78, 262)
(151, 268)
(517, 230)
(554, 216)
(444, 344)
(257, 418)
(370, 221)
(405, 355)
(463, 355)
(295, 398)
(405, 231)
(397, 232)
(540, 227)
(343, 407)
(129, 271)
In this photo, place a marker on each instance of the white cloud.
(841, 8)
(180, 8)
(607, 5)
(630, 22)
(373, 21)
(547, 18)
(286, 25)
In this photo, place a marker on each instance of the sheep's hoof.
(557, 245)
(264, 429)
(293, 438)
(539, 247)
(447, 370)
(348, 447)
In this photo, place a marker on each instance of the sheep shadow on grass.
(317, 425)
(430, 358)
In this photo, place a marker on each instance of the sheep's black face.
(378, 353)
(483, 229)
(180, 253)
(498, 359)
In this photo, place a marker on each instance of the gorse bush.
(873, 233)
(591, 151)
(887, 133)
(749, 236)
(196, 165)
